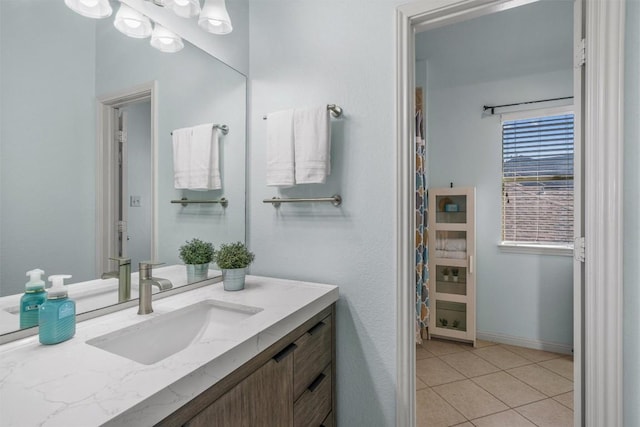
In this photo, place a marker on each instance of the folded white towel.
(312, 136)
(196, 158)
(280, 151)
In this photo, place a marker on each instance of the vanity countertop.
(76, 384)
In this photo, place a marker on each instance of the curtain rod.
(493, 107)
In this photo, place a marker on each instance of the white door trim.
(104, 180)
(602, 310)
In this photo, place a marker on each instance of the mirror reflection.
(74, 195)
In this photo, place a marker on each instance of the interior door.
(578, 211)
(122, 193)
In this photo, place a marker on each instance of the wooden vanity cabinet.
(292, 383)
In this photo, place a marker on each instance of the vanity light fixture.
(184, 8)
(165, 40)
(132, 23)
(95, 9)
(214, 17)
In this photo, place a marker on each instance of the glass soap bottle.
(58, 313)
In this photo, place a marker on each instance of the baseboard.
(523, 342)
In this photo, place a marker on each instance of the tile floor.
(492, 385)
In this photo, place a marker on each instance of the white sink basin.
(153, 340)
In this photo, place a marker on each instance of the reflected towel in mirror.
(196, 158)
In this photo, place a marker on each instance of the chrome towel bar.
(336, 111)
(336, 200)
(184, 201)
(223, 128)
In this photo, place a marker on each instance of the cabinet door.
(226, 411)
(267, 395)
(264, 398)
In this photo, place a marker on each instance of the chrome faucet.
(145, 283)
(123, 274)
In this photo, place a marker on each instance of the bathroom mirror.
(55, 66)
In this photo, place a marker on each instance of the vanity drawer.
(312, 355)
(313, 407)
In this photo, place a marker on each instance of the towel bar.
(336, 111)
(336, 200)
(184, 201)
(223, 128)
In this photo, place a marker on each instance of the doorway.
(126, 203)
(604, 85)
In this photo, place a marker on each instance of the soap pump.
(34, 296)
(58, 313)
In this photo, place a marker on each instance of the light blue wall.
(307, 53)
(631, 320)
(139, 182)
(46, 142)
(193, 88)
(519, 55)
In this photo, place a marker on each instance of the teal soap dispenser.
(34, 296)
(58, 313)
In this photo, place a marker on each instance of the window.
(537, 180)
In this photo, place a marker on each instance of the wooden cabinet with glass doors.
(452, 284)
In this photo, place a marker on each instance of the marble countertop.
(76, 384)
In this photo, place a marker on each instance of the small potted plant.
(233, 259)
(445, 274)
(454, 273)
(196, 255)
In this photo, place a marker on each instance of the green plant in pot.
(196, 255)
(233, 259)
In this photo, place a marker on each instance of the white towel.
(280, 151)
(196, 158)
(312, 136)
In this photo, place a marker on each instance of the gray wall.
(46, 142)
(631, 291)
(519, 55)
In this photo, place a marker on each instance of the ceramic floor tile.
(469, 399)
(422, 353)
(547, 413)
(561, 366)
(501, 357)
(440, 347)
(420, 384)
(508, 389)
(482, 343)
(531, 354)
(433, 411)
(465, 424)
(508, 418)
(468, 364)
(542, 379)
(566, 399)
(434, 371)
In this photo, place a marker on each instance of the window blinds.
(537, 180)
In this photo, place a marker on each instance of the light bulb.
(181, 2)
(132, 23)
(165, 40)
(215, 22)
(89, 3)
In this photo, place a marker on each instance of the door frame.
(598, 374)
(105, 201)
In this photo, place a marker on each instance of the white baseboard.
(523, 342)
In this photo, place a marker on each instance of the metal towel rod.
(223, 128)
(336, 111)
(184, 201)
(336, 200)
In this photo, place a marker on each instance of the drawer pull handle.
(285, 352)
(314, 385)
(316, 328)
